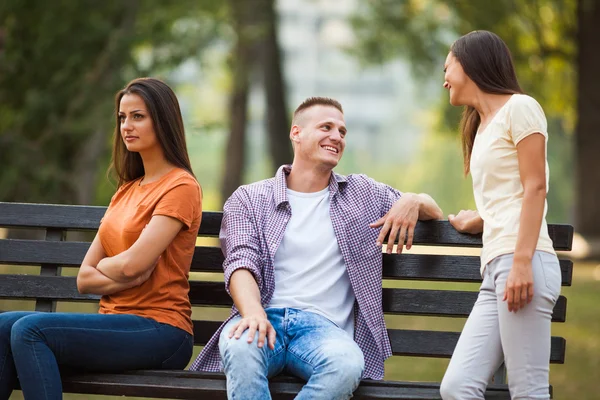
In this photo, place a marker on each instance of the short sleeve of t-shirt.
(526, 117)
(182, 202)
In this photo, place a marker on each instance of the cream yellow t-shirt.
(496, 179)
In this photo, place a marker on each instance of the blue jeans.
(34, 345)
(307, 345)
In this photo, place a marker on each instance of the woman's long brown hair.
(164, 110)
(486, 59)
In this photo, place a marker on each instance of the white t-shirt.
(496, 179)
(310, 273)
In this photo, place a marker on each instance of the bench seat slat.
(405, 342)
(445, 303)
(291, 379)
(436, 233)
(210, 259)
(195, 385)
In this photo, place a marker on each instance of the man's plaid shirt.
(254, 221)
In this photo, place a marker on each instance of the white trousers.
(492, 335)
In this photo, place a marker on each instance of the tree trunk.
(85, 176)
(104, 72)
(241, 63)
(280, 148)
(587, 138)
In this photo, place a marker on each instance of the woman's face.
(136, 126)
(456, 81)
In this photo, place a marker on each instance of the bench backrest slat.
(439, 303)
(434, 233)
(405, 342)
(81, 218)
(449, 268)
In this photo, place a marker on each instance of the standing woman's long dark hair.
(168, 125)
(486, 59)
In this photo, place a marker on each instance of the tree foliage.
(60, 64)
(541, 34)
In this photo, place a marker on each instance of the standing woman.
(504, 141)
(139, 262)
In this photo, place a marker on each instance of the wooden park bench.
(49, 286)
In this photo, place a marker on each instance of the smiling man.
(303, 266)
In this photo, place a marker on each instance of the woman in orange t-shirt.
(139, 262)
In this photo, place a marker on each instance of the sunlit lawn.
(578, 378)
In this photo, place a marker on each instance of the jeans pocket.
(181, 357)
(552, 273)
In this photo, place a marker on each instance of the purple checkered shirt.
(254, 221)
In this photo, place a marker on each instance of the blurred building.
(385, 108)
(382, 104)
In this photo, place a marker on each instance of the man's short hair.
(315, 101)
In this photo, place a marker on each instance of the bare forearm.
(115, 268)
(478, 223)
(245, 293)
(532, 213)
(92, 281)
(429, 208)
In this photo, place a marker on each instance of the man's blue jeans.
(307, 345)
(34, 346)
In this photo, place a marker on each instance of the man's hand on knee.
(253, 323)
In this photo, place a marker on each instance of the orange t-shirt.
(164, 296)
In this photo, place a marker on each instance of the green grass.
(576, 379)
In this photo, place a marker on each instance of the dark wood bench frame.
(49, 286)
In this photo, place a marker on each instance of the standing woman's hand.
(519, 285)
(467, 221)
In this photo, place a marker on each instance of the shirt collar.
(337, 183)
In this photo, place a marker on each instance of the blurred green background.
(240, 67)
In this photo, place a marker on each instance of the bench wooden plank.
(421, 267)
(35, 252)
(451, 268)
(415, 343)
(195, 385)
(42, 287)
(445, 303)
(291, 379)
(30, 215)
(405, 342)
(435, 233)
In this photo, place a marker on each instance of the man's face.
(319, 136)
